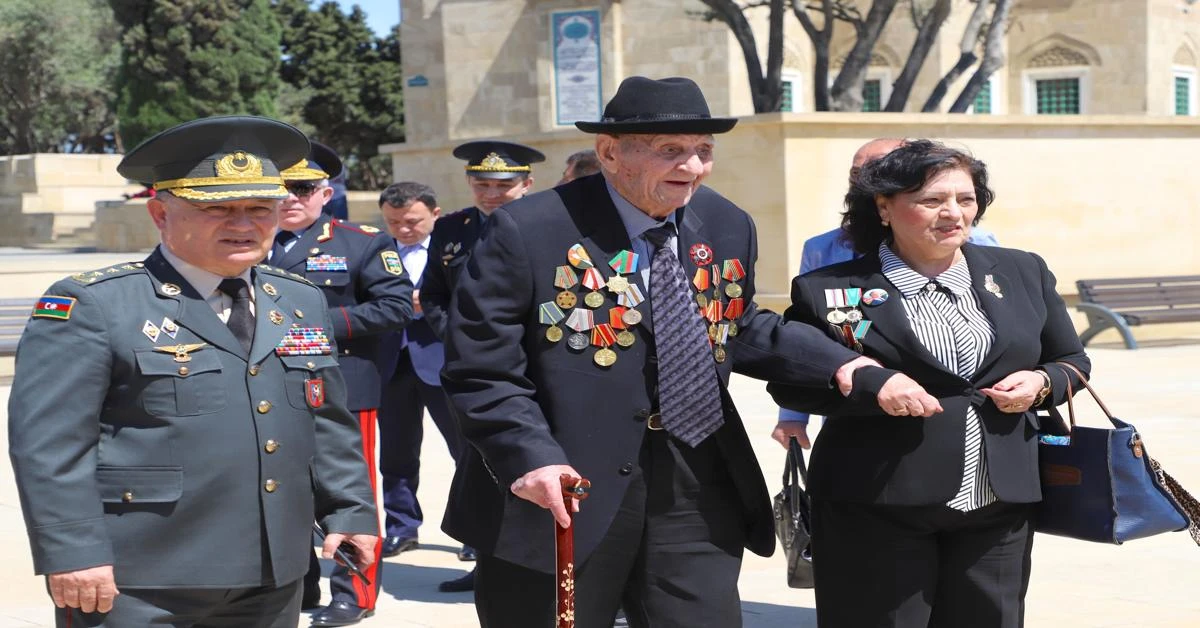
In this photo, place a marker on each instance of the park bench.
(1123, 303)
(14, 313)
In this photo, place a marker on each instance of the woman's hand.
(901, 396)
(1016, 393)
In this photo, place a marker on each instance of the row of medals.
(625, 316)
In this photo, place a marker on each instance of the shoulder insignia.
(116, 270)
(326, 232)
(367, 229)
(279, 272)
(50, 306)
(392, 263)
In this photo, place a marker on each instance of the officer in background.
(174, 423)
(410, 210)
(497, 173)
(369, 296)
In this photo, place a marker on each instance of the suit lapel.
(271, 319)
(999, 309)
(889, 321)
(194, 312)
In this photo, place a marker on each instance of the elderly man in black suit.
(593, 333)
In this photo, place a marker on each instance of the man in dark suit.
(576, 347)
(369, 296)
(174, 423)
(412, 381)
(497, 173)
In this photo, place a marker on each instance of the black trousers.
(921, 566)
(671, 557)
(257, 607)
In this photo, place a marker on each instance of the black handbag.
(793, 522)
(1101, 484)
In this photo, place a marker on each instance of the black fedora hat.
(671, 105)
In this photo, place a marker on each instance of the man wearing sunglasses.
(369, 294)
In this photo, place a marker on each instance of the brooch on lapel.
(991, 286)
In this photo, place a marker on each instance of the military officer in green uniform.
(174, 423)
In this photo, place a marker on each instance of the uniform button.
(345, 352)
(298, 314)
(264, 407)
(127, 496)
(183, 370)
(626, 468)
(310, 365)
(270, 485)
(329, 282)
(253, 370)
(271, 446)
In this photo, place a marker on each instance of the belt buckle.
(654, 422)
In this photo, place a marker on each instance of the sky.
(382, 15)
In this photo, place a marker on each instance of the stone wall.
(49, 195)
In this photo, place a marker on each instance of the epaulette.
(279, 272)
(367, 229)
(116, 270)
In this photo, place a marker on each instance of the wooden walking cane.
(564, 551)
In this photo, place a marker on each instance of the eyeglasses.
(302, 189)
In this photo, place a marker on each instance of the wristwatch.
(1045, 391)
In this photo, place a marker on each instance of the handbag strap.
(794, 470)
(1069, 368)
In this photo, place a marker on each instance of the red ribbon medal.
(701, 254)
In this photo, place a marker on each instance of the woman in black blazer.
(922, 508)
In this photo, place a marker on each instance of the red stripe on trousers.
(367, 594)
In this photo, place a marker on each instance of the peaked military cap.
(672, 105)
(493, 159)
(321, 163)
(221, 158)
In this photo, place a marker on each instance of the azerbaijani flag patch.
(54, 307)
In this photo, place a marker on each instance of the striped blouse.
(946, 317)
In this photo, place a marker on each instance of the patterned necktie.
(241, 321)
(688, 395)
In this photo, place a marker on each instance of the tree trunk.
(820, 41)
(730, 13)
(772, 96)
(966, 58)
(927, 33)
(846, 93)
(993, 57)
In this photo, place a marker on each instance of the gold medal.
(626, 338)
(712, 332)
(554, 333)
(631, 317)
(732, 290)
(733, 328)
(701, 300)
(276, 317)
(605, 357)
(593, 299)
(618, 284)
(836, 317)
(566, 299)
(719, 353)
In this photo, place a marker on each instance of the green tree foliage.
(187, 59)
(343, 84)
(56, 62)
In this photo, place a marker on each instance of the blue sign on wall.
(575, 36)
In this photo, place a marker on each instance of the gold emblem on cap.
(239, 165)
(493, 161)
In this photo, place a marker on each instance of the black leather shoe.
(393, 545)
(467, 554)
(460, 584)
(340, 614)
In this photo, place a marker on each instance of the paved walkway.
(1152, 583)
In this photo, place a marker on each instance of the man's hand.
(786, 430)
(845, 375)
(90, 590)
(901, 396)
(363, 544)
(544, 488)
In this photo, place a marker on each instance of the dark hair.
(405, 192)
(583, 163)
(905, 169)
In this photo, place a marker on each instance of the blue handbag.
(1101, 485)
